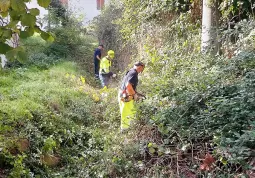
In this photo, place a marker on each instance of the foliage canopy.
(16, 20)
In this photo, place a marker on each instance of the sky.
(33, 4)
(87, 8)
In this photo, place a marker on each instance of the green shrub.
(48, 110)
(42, 61)
(34, 44)
(70, 41)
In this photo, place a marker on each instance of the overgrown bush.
(45, 117)
(70, 40)
(198, 99)
(194, 100)
(41, 60)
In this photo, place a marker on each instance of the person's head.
(100, 46)
(139, 66)
(110, 54)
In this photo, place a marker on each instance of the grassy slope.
(26, 90)
(53, 111)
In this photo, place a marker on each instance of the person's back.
(105, 65)
(132, 77)
(97, 52)
(104, 73)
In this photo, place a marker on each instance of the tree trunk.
(206, 26)
(3, 60)
(210, 22)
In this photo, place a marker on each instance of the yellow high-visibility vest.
(105, 65)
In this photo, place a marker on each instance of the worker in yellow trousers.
(128, 94)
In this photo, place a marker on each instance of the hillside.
(198, 116)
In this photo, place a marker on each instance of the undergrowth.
(45, 119)
(198, 118)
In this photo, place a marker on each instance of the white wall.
(88, 8)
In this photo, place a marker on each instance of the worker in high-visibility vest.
(104, 72)
(128, 94)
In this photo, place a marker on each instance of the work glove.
(139, 96)
(110, 74)
(136, 98)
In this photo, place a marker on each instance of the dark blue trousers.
(97, 65)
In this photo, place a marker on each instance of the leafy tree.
(16, 19)
(57, 13)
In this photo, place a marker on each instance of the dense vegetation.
(197, 120)
(199, 115)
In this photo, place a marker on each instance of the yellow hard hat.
(111, 53)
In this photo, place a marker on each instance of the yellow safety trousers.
(127, 111)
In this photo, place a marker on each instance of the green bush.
(70, 41)
(34, 44)
(43, 115)
(42, 61)
(197, 98)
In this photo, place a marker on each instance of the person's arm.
(98, 53)
(130, 90)
(97, 56)
(132, 94)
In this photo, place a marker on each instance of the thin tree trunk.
(206, 26)
(210, 23)
(3, 60)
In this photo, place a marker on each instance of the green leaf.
(4, 48)
(11, 55)
(28, 20)
(22, 56)
(13, 23)
(18, 5)
(24, 34)
(150, 145)
(4, 14)
(14, 15)
(37, 29)
(5, 5)
(223, 160)
(34, 11)
(27, 33)
(152, 150)
(30, 30)
(7, 34)
(17, 54)
(44, 3)
(51, 39)
(47, 36)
